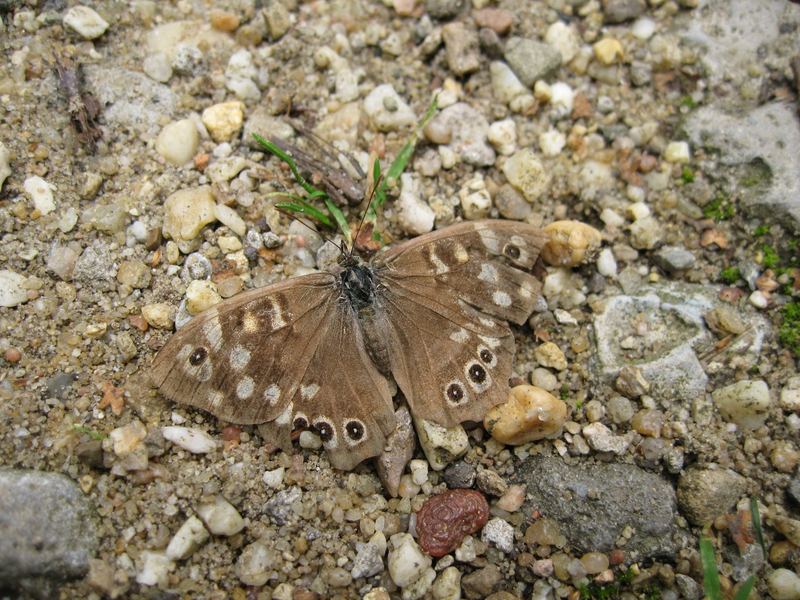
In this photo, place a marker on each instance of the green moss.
(730, 275)
(687, 175)
(688, 102)
(771, 258)
(789, 334)
(719, 209)
(761, 230)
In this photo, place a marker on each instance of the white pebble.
(86, 22)
(419, 471)
(500, 533)
(386, 110)
(562, 96)
(565, 39)
(503, 136)
(12, 290)
(611, 218)
(41, 193)
(187, 539)
(157, 67)
(606, 263)
(221, 517)
(194, 440)
(527, 174)
(228, 216)
(274, 478)
(178, 141)
(475, 199)
(406, 562)
(745, 403)
(790, 395)
(759, 299)
(564, 317)
(138, 230)
(638, 210)
(643, 28)
(677, 152)
(783, 584)
(505, 84)
(310, 440)
(601, 439)
(414, 214)
(552, 142)
(154, 569)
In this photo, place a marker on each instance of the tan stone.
(529, 414)
(570, 243)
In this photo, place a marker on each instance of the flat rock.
(674, 328)
(756, 143)
(594, 503)
(47, 528)
(704, 494)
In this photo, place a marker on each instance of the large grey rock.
(47, 531)
(531, 60)
(594, 503)
(757, 143)
(658, 330)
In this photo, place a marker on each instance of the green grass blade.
(306, 209)
(755, 517)
(747, 587)
(285, 157)
(340, 219)
(710, 574)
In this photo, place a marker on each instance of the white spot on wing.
(488, 273)
(277, 315)
(460, 253)
(213, 331)
(489, 240)
(239, 358)
(525, 291)
(307, 392)
(490, 341)
(215, 398)
(501, 298)
(245, 387)
(285, 417)
(272, 393)
(460, 336)
(250, 322)
(437, 262)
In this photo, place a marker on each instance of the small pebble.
(550, 355)
(159, 314)
(386, 110)
(643, 28)
(529, 414)
(415, 216)
(759, 299)
(157, 67)
(500, 533)
(41, 193)
(310, 440)
(178, 141)
(527, 174)
(513, 498)
(447, 585)
(419, 471)
(552, 142)
(608, 51)
(442, 445)
(601, 439)
(201, 295)
(5, 164)
(194, 440)
(229, 217)
(256, 562)
(191, 535)
(745, 402)
(221, 517)
(570, 243)
(85, 22)
(154, 569)
(564, 38)
(274, 478)
(677, 152)
(406, 563)
(12, 289)
(531, 60)
(187, 211)
(783, 584)
(503, 136)
(224, 121)
(446, 519)
(134, 273)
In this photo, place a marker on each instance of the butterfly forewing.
(442, 299)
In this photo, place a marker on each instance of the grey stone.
(512, 204)
(368, 561)
(641, 73)
(531, 60)
(459, 475)
(756, 145)
(664, 353)
(704, 494)
(443, 9)
(130, 99)
(280, 508)
(674, 258)
(481, 583)
(462, 48)
(594, 503)
(744, 563)
(469, 130)
(95, 266)
(688, 587)
(265, 125)
(619, 11)
(48, 533)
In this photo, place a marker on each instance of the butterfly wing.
(281, 353)
(445, 298)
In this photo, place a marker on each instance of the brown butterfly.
(318, 350)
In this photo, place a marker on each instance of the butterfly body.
(318, 350)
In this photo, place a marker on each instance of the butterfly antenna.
(374, 189)
(319, 233)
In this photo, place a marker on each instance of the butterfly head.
(358, 282)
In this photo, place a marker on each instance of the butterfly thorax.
(358, 282)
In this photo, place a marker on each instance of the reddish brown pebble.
(616, 557)
(138, 322)
(731, 294)
(201, 161)
(12, 355)
(231, 433)
(224, 21)
(445, 520)
(496, 19)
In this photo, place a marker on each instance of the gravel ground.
(132, 196)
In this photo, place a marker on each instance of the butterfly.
(319, 350)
